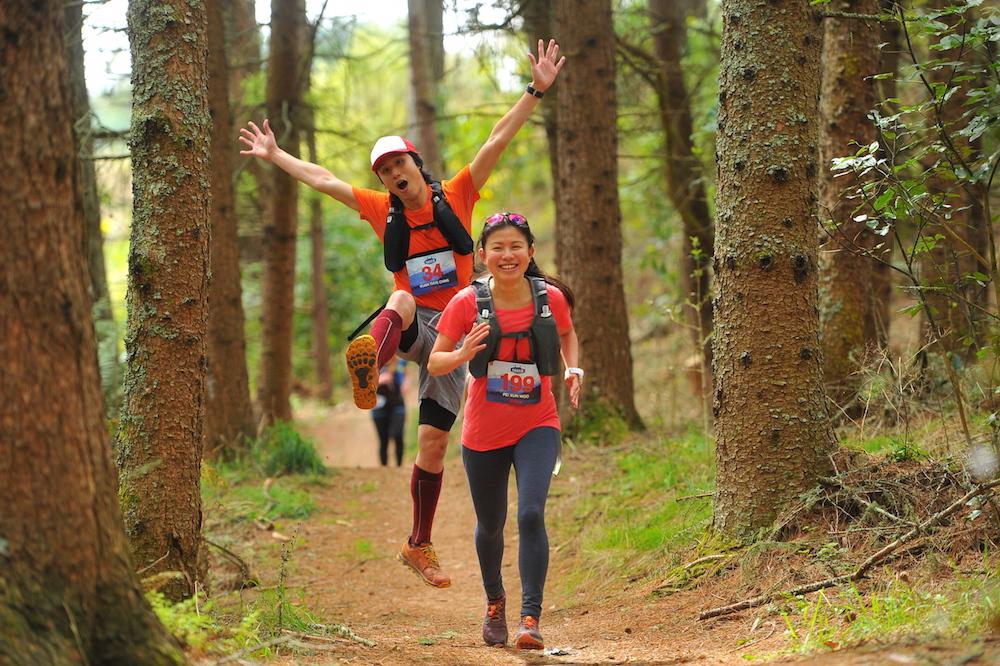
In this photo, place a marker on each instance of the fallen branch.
(865, 567)
(698, 496)
(342, 631)
(250, 650)
(247, 578)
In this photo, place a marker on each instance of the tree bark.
(423, 46)
(538, 24)
(168, 263)
(229, 418)
(588, 229)
(684, 178)
(68, 591)
(320, 307)
(848, 305)
(281, 220)
(773, 433)
(107, 332)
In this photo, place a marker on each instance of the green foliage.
(111, 368)
(282, 450)
(935, 160)
(630, 519)
(249, 496)
(653, 232)
(202, 627)
(836, 617)
(600, 423)
(247, 486)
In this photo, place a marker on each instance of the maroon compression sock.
(386, 329)
(425, 488)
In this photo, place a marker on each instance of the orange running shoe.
(424, 562)
(362, 356)
(528, 636)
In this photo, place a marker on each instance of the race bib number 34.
(513, 383)
(431, 272)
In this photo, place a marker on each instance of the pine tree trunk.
(228, 408)
(848, 303)
(68, 591)
(281, 221)
(773, 434)
(685, 179)
(320, 307)
(107, 331)
(423, 82)
(167, 333)
(588, 232)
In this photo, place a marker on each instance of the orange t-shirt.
(462, 197)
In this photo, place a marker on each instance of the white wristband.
(574, 371)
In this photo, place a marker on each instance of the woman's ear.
(482, 255)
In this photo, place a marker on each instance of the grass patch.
(626, 523)
(891, 609)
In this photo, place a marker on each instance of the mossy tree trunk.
(69, 594)
(166, 337)
(228, 407)
(284, 99)
(773, 433)
(588, 229)
(848, 299)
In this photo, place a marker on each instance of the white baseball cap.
(388, 145)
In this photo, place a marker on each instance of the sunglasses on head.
(512, 218)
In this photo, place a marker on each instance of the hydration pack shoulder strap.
(485, 313)
(543, 332)
(451, 227)
(396, 241)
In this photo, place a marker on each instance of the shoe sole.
(420, 575)
(529, 642)
(362, 355)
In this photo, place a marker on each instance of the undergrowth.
(645, 502)
(252, 507)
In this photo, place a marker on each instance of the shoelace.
(494, 608)
(529, 622)
(432, 558)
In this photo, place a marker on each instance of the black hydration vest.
(396, 240)
(543, 334)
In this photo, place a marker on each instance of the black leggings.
(390, 424)
(533, 459)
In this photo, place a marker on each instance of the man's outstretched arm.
(543, 72)
(262, 144)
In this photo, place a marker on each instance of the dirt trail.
(345, 565)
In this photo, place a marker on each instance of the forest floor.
(341, 565)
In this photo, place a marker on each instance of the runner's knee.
(403, 304)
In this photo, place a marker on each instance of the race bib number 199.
(431, 272)
(513, 383)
